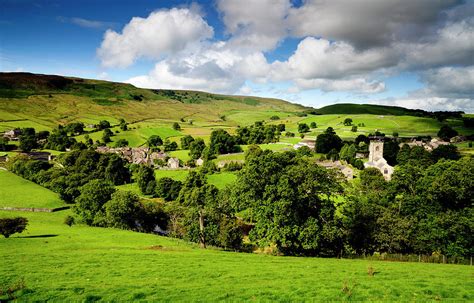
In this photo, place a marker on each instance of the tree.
(313, 125)
(327, 141)
(448, 152)
(281, 127)
(10, 226)
(186, 141)
(121, 143)
(123, 210)
(274, 118)
(196, 148)
(106, 136)
(348, 122)
(28, 139)
(170, 145)
(446, 132)
(200, 197)
(103, 125)
(93, 196)
(146, 179)
(116, 170)
(123, 125)
(176, 126)
(303, 128)
(390, 151)
(3, 143)
(222, 142)
(354, 129)
(168, 189)
(154, 141)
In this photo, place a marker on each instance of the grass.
(18, 192)
(81, 263)
(405, 125)
(221, 180)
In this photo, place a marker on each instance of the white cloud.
(450, 81)
(431, 103)
(319, 58)
(162, 33)
(366, 23)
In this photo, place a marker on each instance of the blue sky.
(311, 52)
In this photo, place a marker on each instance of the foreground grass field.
(80, 263)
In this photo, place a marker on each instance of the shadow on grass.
(39, 236)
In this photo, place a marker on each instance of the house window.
(376, 148)
(385, 171)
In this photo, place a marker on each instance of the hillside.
(43, 101)
(348, 108)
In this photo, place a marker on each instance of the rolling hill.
(43, 101)
(372, 109)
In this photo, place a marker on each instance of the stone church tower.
(376, 158)
(375, 150)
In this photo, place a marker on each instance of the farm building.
(13, 134)
(309, 143)
(136, 155)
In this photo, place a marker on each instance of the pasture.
(18, 192)
(81, 263)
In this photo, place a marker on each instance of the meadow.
(81, 263)
(18, 192)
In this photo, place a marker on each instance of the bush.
(69, 221)
(10, 226)
(274, 118)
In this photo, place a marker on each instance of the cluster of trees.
(100, 204)
(77, 168)
(422, 210)
(157, 144)
(259, 133)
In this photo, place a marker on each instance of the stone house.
(173, 163)
(309, 143)
(12, 135)
(347, 171)
(135, 155)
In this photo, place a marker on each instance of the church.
(376, 158)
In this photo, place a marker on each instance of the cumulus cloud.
(320, 58)
(162, 33)
(453, 45)
(343, 46)
(254, 25)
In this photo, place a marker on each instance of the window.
(376, 148)
(385, 171)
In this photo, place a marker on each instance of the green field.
(81, 263)
(18, 192)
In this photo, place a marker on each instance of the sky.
(410, 53)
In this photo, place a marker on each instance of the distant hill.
(49, 100)
(348, 108)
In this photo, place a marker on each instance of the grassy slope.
(18, 192)
(80, 263)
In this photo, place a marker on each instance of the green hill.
(46, 100)
(348, 108)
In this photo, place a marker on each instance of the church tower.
(375, 150)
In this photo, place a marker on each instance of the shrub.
(176, 126)
(10, 226)
(274, 118)
(69, 221)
